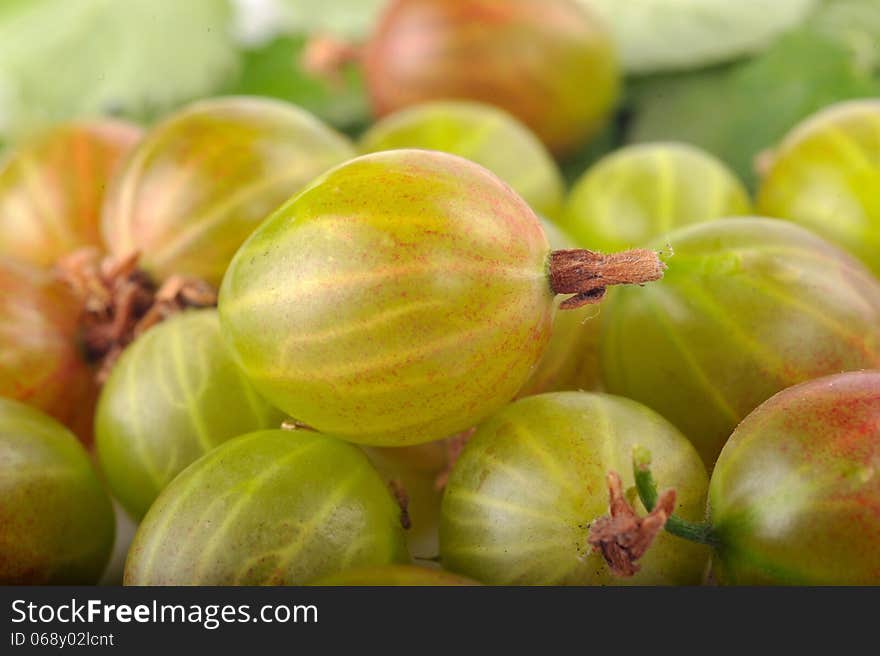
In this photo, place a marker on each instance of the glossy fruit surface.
(203, 178)
(41, 362)
(641, 193)
(417, 301)
(571, 360)
(795, 497)
(56, 521)
(747, 307)
(550, 63)
(395, 575)
(483, 134)
(52, 189)
(174, 395)
(825, 176)
(524, 491)
(268, 508)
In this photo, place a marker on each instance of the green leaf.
(274, 70)
(352, 18)
(666, 35)
(66, 58)
(738, 111)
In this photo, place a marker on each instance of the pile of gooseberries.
(415, 359)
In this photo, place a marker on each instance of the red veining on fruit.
(587, 273)
(119, 301)
(623, 537)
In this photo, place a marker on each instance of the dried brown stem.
(624, 537)
(120, 302)
(326, 56)
(587, 274)
(402, 498)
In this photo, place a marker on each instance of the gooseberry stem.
(587, 274)
(700, 532)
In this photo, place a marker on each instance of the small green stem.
(700, 532)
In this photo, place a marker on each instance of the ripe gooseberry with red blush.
(52, 188)
(550, 63)
(42, 362)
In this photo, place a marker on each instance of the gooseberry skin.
(825, 175)
(56, 520)
(399, 299)
(521, 497)
(174, 395)
(571, 359)
(395, 575)
(794, 498)
(483, 134)
(203, 178)
(549, 63)
(41, 362)
(268, 508)
(52, 189)
(641, 193)
(747, 308)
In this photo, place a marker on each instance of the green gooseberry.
(641, 193)
(56, 520)
(550, 63)
(825, 176)
(52, 188)
(272, 507)
(205, 176)
(747, 308)
(174, 395)
(523, 493)
(394, 575)
(402, 297)
(483, 134)
(795, 497)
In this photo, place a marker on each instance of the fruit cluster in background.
(398, 293)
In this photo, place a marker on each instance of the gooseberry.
(52, 188)
(402, 297)
(550, 63)
(521, 496)
(268, 508)
(174, 395)
(41, 359)
(641, 193)
(56, 521)
(794, 499)
(483, 134)
(394, 575)
(747, 308)
(825, 176)
(205, 176)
